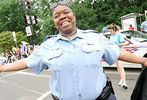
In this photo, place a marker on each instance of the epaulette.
(90, 31)
(48, 37)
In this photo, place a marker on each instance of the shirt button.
(79, 95)
(73, 67)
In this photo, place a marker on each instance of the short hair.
(112, 26)
(54, 5)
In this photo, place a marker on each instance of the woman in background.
(118, 39)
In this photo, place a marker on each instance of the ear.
(74, 16)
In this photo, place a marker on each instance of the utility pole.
(29, 27)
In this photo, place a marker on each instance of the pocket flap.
(53, 53)
(91, 47)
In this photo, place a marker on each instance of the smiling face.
(64, 19)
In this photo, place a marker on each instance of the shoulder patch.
(48, 37)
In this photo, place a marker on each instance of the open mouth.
(65, 23)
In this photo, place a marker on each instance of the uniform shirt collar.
(78, 34)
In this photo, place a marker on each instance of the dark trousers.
(112, 97)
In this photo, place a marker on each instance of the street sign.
(28, 31)
(34, 19)
(14, 36)
(27, 19)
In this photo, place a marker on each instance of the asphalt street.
(26, 85)
(131, 77)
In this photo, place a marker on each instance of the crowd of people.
(18, 53)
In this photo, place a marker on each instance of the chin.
(67, 31)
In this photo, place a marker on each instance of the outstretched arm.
(129, 57)
(18, 65)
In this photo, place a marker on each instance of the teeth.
(64, 22)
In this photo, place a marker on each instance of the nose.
(62, 16)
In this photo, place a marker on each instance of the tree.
(89, 15)
(12, 16)
(85, 15)
(7, 42)
(45, 25)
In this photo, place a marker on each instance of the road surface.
(25, 85)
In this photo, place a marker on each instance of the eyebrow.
(58, 12)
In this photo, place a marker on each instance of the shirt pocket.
(53, 59)
(90, 46)
(92, 55)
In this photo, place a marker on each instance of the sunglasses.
(110, 27)
(54, 5)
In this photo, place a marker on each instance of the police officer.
(74, 57)
(143, 27)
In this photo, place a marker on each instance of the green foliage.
(12, 16)
(88, 16)
(7, 42)
(46, 24)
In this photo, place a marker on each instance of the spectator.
(18, 53)
(118, 39)
(28, 49)
(131, 27)
(14, 50)
(2, 59)
(117, 27)
(31, 49)
(24, 50)
(8, 56)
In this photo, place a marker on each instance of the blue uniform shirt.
(77, 72)
(144, 26)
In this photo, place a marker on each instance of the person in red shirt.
(131, 27)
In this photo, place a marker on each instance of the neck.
(69, 36)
